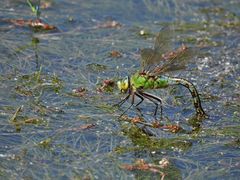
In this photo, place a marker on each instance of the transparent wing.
(162, 44)
(162, 57)
(148, 57)
(163, 39)
(174, 60)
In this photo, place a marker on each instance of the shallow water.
(47, 131)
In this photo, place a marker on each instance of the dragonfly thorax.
(145, 80)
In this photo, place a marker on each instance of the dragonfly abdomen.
(161, 82)
(191, 88)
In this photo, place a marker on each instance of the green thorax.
(143, 80)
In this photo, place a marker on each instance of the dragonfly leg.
(141, 100)
(125, 99)
(151, 98)
(141, 97)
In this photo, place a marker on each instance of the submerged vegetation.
(35, 84)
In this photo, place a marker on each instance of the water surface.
(56, 133)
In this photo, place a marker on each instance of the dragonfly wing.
(152, 57)
(163, 40)
(175, 60)
(148, 58)
(161, 59)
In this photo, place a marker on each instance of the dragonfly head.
(124, 85)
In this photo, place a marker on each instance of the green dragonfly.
(151, 76)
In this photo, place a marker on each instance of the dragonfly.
(152, 76)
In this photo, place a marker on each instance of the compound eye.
(119, 84)
(126, 84)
